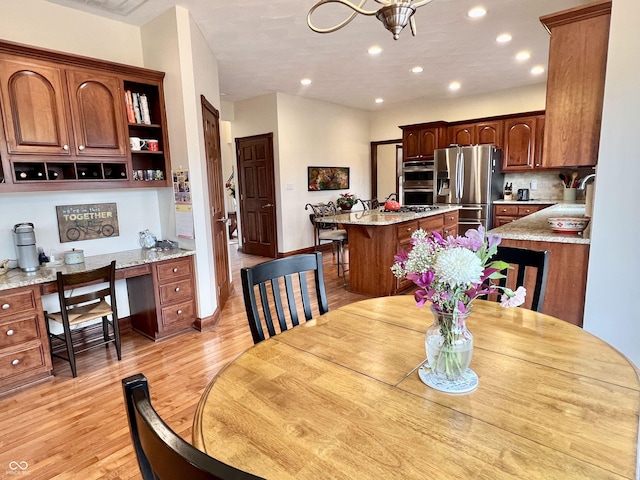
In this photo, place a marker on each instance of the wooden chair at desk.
(523, 259)
(274, 271)
(160, 451)
(78, 308)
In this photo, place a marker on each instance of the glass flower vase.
(449, 345)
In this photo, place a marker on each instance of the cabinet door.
(97, 113)
(519, 143)
(33, 107)
(462, 134)
(489, 133)
(428, 142)
(411, 145)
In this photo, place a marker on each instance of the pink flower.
(514, 299)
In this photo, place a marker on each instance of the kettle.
(523, 194)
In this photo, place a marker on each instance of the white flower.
(513, 299)
(458, 266)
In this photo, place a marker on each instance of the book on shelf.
(136, 107)
(131, 116)
(144, 109)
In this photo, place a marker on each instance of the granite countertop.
(17, 278)
(377, 217)
(535, 226)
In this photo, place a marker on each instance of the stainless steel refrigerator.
(472, 178)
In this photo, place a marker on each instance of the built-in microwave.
(417, 196)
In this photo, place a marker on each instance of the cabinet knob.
(6, 306)
(10, 332)
(179, 312)
(504, 209)
(81, 147)
(175, 270)
(65, 148)
(408, 229)
(177, 289)
(15, 361)
(527, 210)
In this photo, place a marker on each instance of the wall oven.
(418, 181)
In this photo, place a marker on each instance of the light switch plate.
(534, 184)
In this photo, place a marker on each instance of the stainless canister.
(24, 238)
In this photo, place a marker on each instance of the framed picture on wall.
(327, 178)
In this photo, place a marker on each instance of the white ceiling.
(266, 46)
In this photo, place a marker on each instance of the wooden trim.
(576, 14)
(78, 60)
(374, 163)
(207, 322)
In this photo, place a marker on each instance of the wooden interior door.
(256, 184)
(211, 124)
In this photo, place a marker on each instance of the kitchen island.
(374, 239)
(568, 258)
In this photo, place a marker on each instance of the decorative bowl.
(568, 224)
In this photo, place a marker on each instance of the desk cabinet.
(24, 345)
(163, 303)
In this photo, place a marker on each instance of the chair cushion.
(84, 313)
(333, 235)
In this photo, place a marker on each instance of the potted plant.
(346, 201)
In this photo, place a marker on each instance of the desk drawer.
(17, 301)
(167, 271)
(180, 314)
(181, 290)
(21, 360)
(19, 331)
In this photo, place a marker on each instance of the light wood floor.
(66, 428)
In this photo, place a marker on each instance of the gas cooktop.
(412, 209)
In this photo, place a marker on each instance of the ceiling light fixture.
(537, 70)
(305, 81)
(503, 38)
(417, 69)
(454, 86)
(394, 14)
(379, 100)
(375, 50)
(521, 56)
(476, 12)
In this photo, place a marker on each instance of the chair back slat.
(524, 259)
(281, 272)
(161, 453)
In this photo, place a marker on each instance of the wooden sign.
(87, 222)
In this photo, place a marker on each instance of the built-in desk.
(162, 302)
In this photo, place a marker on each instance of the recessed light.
(417, 69)
(375, 50)
(305, 81)
(454, 86)
(379, 100)
(521, 56)
(537, 70)
(503, 38)
(477, 12)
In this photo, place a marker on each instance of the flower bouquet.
(451, 273)
(346, 201)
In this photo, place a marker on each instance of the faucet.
(584, 181)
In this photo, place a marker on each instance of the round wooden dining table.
(339, 397)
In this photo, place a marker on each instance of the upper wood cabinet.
(97, 113)
(33, 107)
(420, 141)
(489, 132)
(66, 125)
(575, 84)
(521, 149)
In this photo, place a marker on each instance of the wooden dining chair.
(79, 306)
(523, 259)
(160, 451)
(292, 273)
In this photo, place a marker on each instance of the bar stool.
(328, 232)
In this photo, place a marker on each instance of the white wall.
(47, 25)
(384, 124)
(611, 310)
(313, 133)
(173, 43)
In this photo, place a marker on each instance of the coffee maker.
(24, 238)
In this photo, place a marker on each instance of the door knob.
(267, 205)
(223, 219)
